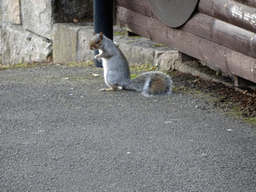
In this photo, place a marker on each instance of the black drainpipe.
(103, 20)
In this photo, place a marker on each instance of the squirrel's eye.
(97, 41)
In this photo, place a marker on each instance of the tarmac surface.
(58, 132)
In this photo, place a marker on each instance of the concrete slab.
(135, 53)
(65, 42)
(83, 51)
(165, 59)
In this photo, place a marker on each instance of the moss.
(120, 33)
(77, 64)
(159, 45)
(235, 111)
(180, 89)
(20, 65)
(135, 37)
(183, 89)
(236, 108)
(251, 120)
(133, 76)
(30, 65)
(142, 67)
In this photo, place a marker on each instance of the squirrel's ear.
(101, 35)
(94, 33)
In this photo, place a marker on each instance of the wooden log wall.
(221, 32)
(251, 3)
(231, 12)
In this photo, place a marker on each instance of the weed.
(120, 33)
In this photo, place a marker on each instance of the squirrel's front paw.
(96, 57)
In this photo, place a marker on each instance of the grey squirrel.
(117, 72)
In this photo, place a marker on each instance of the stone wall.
(26, 31)
(0, 31)
(26, 26)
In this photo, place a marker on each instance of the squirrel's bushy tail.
(151, 83)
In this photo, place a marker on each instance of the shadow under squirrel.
(117, 72)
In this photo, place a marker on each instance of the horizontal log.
(200, 48)
(222, 33)
(251, 3)
(230, 11)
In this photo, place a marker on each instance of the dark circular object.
(173, 13)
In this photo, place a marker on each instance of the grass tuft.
(142, 67)
(133, 76)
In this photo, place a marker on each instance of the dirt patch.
(227, 98)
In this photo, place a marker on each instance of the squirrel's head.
(96, 41)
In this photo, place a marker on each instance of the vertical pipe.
(103, 20)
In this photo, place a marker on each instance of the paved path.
(58, 132)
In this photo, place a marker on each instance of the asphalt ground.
(58, 132)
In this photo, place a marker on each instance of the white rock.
(19, 45)
(37, 16)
